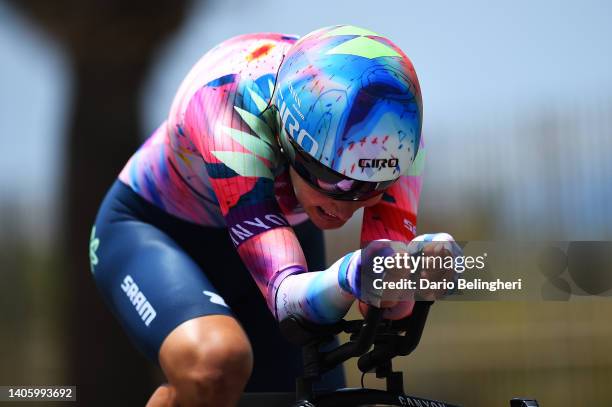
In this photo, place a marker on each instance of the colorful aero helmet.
(350, 111)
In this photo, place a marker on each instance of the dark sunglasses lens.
(328, 181)
(335, 185)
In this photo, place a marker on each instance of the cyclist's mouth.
(328, 215)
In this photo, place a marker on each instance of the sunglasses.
(325, 180)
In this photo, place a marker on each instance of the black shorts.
(156, 271)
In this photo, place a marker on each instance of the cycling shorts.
(156, 271)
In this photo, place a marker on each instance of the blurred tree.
(13, 255)
(111, 44)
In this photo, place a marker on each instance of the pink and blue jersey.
(215, 161)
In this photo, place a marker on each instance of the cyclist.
(270, 139)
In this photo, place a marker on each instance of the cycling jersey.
(215, 161)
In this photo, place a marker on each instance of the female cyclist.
(213, 230)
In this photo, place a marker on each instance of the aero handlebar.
(385, 335)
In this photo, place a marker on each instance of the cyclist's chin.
(327, 226)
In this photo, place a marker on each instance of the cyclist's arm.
(276, 261)
(281, 274)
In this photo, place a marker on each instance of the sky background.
(490, 72)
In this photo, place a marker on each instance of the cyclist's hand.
(351, 280)
(438, 245)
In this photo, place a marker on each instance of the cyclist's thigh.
(164, 258)
(147, 280)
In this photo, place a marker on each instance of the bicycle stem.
(401, 345)
(365, 340)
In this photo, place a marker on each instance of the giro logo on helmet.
(378, 163)
(293, 126)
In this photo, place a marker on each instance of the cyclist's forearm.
(320, 296)
(270, 257)
(281, 275)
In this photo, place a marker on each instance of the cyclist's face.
(323, 211)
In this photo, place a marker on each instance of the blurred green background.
(518, 129)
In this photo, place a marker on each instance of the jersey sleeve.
(229, 124)
(226, 124)
(394, 217)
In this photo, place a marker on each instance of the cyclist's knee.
(218, 360)
(207, 356)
